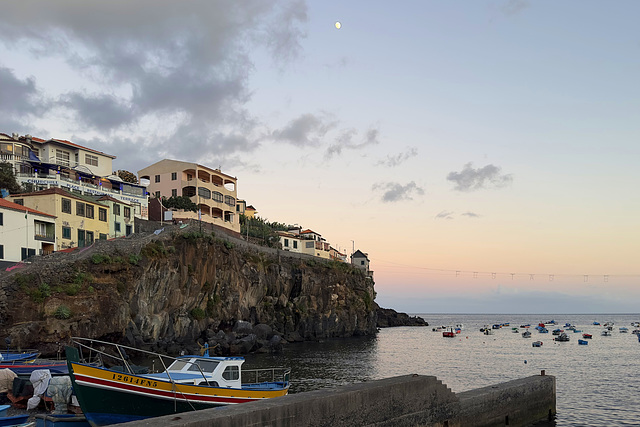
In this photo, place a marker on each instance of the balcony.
(49, 237)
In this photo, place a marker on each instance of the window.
(127, 212)
(157, 178)
(89, 239)
(128, 230)
(361, 262)
(19, 202)
(203, 192)
(66, 206)
(62, 158)
(6, 148)
(286, 243)
(189, 177)
(1, 218)
(89, 211)
(117, 226)
(79, 209)
(230, 200)
(157, 194)
(91, 160)
(309, 245)
(217, 196)
(27, 253)
(295, 244)
(66, 233)
(1, 251)
(174, 176)
(103, 236)
(231, 373)
(102, 214)
(174, 193)
(116, 210)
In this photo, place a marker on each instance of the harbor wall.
(410, 400)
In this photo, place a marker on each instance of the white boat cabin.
(202, 370)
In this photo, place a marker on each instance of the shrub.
(41, 293)
(197, 313)
(62, 312)
(228, 244)
(154, 249)
(72, 289)
(134, 259)
(100, 259)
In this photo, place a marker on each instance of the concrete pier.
(410, 400)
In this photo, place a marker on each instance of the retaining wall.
(410, 400)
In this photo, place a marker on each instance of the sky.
(482, 153)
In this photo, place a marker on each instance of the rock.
(242, 328)
(389, 318)
(262, 331)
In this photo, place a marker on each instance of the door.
(81, 238)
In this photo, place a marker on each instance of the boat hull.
(111, 397)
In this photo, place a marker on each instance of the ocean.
(596, 384)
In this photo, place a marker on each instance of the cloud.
(445, 215)
(155, 67)
(19, 97)
(346, 141)
(394, 192)
(513, 7)
(398, 159)
(305, 130)
(470, 179)
(471, 214)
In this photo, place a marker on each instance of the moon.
(338, 25)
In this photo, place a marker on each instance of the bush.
(197, 313)
(41, 293)
(100, 259)
(134, 259)
(72, 289)
(62, 312)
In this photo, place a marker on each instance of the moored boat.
(537, 344)
(606, 333)
(623, 330)
(563, 337)
(583, 342)
(526, 334)
(13, 355)
(587, 336)
(449, 334)
(25, 368)
(189, 383)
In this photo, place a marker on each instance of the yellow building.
(214, 192)
(79, 219)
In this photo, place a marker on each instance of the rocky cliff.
(180, 287)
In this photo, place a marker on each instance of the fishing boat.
(623, 330)
(606, 333)
(188, 383)
(583, 342)
(587, 336)
(563, 337)
(14, 421)
(14, 355)
(25, 368)
(557, 331)
(526, 334)
(537, 344)
(449, 334)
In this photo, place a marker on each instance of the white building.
(64, 164)
(25, 232)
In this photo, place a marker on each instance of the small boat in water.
(583, 342)
(25, 368)
(12, 355)
(449, 334)
(557, 331)
(563, 337)
(15, 421)
(606, 333)
(536, 344)
(623, 330)
(526, 334)
(189, 383)
(587, 336)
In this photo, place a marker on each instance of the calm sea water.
(596, 384)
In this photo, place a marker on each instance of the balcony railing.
(49, 237)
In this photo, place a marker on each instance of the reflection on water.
(596, 384)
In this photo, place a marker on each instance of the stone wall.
(410, 400)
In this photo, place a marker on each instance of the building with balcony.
(24, 232)
(304, 241)
(79, 219)
(214, 192)
(57, 163)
